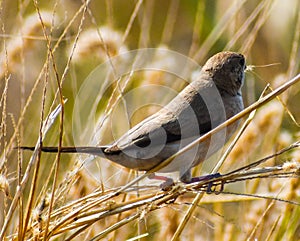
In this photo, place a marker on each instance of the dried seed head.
(290, 166)
(25, 41)
(100, 43)
(4, 185)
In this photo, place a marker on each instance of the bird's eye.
(242, 62)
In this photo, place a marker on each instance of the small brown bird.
(205, 103)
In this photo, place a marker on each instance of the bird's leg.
(167, 181)
(187, 178)
(205, 177)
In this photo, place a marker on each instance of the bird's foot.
(166, 185)
(211, 186)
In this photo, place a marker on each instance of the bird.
(209, 100)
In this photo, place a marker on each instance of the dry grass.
(48, 49)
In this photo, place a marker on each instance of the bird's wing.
(170, 124)
(148, 131)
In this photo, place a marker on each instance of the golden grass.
(49, 48)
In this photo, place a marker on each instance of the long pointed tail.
(71, 149)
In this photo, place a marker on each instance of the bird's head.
(227, 71)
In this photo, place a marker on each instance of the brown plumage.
(208, 101)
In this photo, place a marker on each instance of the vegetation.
(50, 96)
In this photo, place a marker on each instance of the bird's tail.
(70, 149)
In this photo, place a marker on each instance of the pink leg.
(167, 181)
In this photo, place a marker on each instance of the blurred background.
(44, 43)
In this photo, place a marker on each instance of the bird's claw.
(166, 185)
(211, 188)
